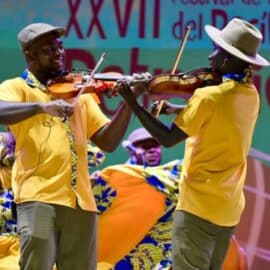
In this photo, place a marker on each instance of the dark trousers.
(56, 234)
(198, 244)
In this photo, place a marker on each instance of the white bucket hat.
(137, 135)
(240, 39)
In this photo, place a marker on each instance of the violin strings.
(82, 69)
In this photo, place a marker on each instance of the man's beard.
(58, 73)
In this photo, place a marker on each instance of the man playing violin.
(217, 124)
(56, 210)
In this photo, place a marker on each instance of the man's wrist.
(40, 107)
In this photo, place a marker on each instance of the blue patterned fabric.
(32, 81)
(7, 223)
(104, 194)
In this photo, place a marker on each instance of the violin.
(182, 84)
(78, 85)
(160, 86)
(169, 85)
(69, 85)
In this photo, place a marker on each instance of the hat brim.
(127, 143)
(216, 36)
(60, 31)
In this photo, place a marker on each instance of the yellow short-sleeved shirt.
(220, 121)
(42, 170)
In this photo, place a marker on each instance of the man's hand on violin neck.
(165, 107)
(141, 77)
(58, 108)
(127, 92)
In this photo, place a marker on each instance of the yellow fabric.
(5, 177)
(9, 246)
(119, 231)
(9, 256)
(168, 176)
(42, 170)
(9, 253)
(104, 266)
(220, 121)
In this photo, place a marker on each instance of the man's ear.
(29, 55)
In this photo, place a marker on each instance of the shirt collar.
(233, 76)
(32, 81)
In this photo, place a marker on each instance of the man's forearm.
(109, 137)
(13, 112)
(167, 136)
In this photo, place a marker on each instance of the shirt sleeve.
(196, 114)
(96, 118)
(12, 91)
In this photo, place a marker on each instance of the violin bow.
(180, 51)
(176, 62)
(91, 76)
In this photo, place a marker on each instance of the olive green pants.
(198, 244)
(56, 234)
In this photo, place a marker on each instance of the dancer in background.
(136, 201)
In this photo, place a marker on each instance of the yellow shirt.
(42, 170)
(220, 121)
